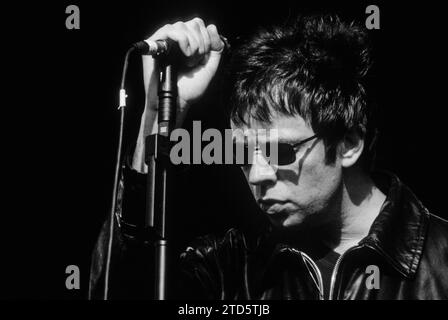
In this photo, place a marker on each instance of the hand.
(202, 47)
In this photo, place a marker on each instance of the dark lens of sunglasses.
(286, 154)
(242, 156)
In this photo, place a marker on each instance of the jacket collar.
(397, 234)
(399, 231)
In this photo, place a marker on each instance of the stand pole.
(158, 161)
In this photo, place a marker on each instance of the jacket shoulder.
(438, 230)
(438, 226)
(433, 266)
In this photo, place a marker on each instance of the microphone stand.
(158, 162)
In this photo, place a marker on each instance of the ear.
(351, 148)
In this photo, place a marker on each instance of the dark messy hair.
(314, 68)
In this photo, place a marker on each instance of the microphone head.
(142, 47)
(159, 47)
(153, 48)
(163, 47)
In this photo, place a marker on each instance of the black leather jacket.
(407, 243)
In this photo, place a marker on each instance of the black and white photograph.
(225, 155)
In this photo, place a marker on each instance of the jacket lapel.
(399, 231)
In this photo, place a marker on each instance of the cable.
(117, 172)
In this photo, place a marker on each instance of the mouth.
(272, 206)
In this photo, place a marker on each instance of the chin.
(288, 220)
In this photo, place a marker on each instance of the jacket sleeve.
(214, 267)
(197, 273)
(200, 271)
(127, 273)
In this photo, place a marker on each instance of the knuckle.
(179, 25)
(196, 27)
(166, 27)
(199, 21)
(212, 30)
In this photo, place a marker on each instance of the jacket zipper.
(320, 284)
(336, 268)
(319, 274)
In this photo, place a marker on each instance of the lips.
(271, 206)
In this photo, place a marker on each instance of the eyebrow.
(281, 140)
(289, 140)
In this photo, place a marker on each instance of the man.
(337, 230)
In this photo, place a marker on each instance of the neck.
(361, 203)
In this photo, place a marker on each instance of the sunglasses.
(286, 153)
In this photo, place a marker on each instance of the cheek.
(316, 180)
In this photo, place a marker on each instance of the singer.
(331, 216)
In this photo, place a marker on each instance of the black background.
(61, 122)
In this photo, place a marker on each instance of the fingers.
(216, 44)
(193, 37)
(192, 44)
(205, 36)
(199, 32)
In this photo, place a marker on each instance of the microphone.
(154, 48)
(164, 47)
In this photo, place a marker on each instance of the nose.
(261, 172)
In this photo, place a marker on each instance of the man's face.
(305, 191)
